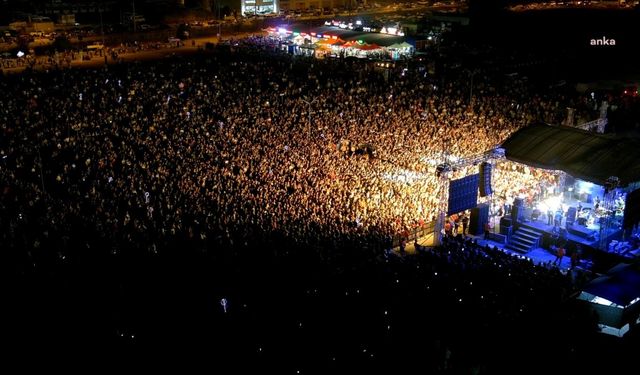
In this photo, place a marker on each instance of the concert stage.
(597, 189)
(587, 239)
(584, 235)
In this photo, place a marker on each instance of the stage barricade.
(417, 233)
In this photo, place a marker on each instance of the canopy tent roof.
(367, 47)
(330, 41)
(383, 40)
(331, 30)
(400, 45)
(620, 285)
(582, 154)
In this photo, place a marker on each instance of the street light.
(472, 72)
(101, 24)
(133, 6)
(102, 33)
(309, 104)
(219, 21)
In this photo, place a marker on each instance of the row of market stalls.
(325, 41)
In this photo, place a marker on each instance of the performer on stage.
(558, 218)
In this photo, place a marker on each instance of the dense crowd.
(245, 154)
(219, 145)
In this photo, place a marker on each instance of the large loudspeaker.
(517, 211)
(505, 221)
(505, 225)
(571, 215)
(485, 179)
(479, 218)
(463, 194)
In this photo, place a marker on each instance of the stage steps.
(524, 239)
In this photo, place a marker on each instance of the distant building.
(131, 18)
(259, 7)
(67, 19)
(34, 24)
(19, 25)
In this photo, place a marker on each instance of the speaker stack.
(485, 179)
(463, 194)
(571, 215)
(479, 218)
(517, 211)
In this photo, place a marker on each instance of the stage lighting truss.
(496, 154)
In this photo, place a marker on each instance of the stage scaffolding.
(446, 170)
(609, 205)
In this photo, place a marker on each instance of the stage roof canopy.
(582, 154)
